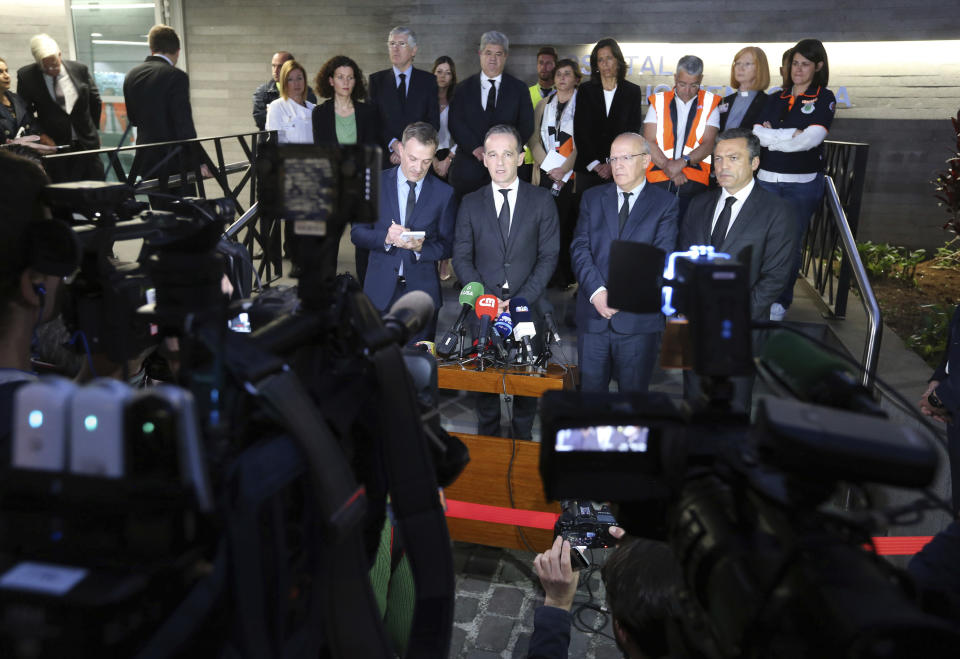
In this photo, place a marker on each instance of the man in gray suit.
(507, 238)
(742, 214)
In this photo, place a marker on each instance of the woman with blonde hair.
(750, 76)
(290, 115)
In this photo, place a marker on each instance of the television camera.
(770, 569)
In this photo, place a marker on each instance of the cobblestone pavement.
(497, 593)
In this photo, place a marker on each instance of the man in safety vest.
(680, 127)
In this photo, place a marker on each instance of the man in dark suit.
(486, 99)
(741, 214)
(409, 201)
(269, 91)
(608, 340)
(402, 94)
(941, 401)
(67, 104)
(507, 238)
(157, 94)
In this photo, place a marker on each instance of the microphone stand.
(544, 357)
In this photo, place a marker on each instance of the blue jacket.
(435, 213)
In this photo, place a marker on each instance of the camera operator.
(639, 577)
(36, 253)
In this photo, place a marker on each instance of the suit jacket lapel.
(516, 224)
(394, 196)
(490, 211)
(611, 212)
(744, 217)
(639, 212)
(421, 200)
(705, 225)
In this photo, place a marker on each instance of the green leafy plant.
(947, 183)
(885, 261)
(930, 339)
(948, 256)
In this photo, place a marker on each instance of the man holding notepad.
(414, 230)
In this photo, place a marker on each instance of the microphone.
(523, 327)
(504, 325)
(815, 376)
(503, 335)
(408, 315)
(468, 297)
(486, 311)
(546, 310)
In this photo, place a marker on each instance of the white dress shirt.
(511, 199)
(292, 121)
(485, 89)
(740, 196)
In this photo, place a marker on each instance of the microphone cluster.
(502, 338)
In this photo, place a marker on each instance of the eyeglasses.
(397, 44)
(625, 159)
(692, 86)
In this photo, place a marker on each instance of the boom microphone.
(468, 297)
(487, 306)
(814, 376)
(409, 315)
(523, 327)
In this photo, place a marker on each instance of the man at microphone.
(612, 342)
(507, 238)
(410, 201)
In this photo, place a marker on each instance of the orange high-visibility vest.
(666, 135)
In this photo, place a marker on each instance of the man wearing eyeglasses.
(402, 95)
(612, 343)
(681, 126)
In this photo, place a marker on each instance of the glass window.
(111, 38)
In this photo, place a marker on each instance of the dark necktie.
(624, 210)
(58, 94)
(411, 201)
(504, 216)
(402, 88)
(723, 223)
(492, 98)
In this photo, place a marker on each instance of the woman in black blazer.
(594, 125)
(750, 76)
(343, 118)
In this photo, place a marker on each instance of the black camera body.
(585, 524)
(768, 568)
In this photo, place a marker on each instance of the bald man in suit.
(611, 342)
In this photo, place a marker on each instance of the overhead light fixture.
(95, 34)
(128, 5)
(108, 42)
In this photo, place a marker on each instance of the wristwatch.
(934, 400)
(687, 158)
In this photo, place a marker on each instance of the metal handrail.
(871, 350)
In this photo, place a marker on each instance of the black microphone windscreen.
(414, 310)
(635, 276)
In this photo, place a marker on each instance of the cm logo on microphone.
(485, 301)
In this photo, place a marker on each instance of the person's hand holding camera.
(556, 574)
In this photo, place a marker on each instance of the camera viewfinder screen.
(603, 439)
